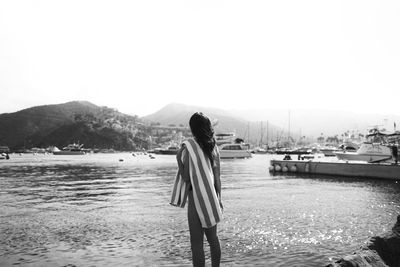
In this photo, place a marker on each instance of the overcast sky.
(138, 56)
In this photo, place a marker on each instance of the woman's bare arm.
(217, 174)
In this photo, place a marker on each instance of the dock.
(337, 168)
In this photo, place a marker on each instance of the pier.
(341, 168)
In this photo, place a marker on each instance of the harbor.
(275, 122)
(121, 214)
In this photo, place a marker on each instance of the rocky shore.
(379, 251)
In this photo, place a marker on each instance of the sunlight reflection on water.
(96, 210)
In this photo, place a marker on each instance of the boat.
(71, 149)
(224, 138)
(329, 151)
(334, 167)
(231, 147)
(170, 150)
(369, 152)
(234, 151)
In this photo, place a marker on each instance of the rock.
(380, 251)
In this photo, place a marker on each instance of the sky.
(138, 56)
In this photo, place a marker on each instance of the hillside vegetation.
(72, 122)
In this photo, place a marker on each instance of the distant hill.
(104, 127)
(59, 125)
(179, 114)
(308, 123)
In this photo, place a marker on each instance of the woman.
(199, 165)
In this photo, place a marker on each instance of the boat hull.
(69, 153)
(234, 154)
(354, 156)
(329, 152)
(340, 168)
(167, 152)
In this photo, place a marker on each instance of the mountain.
(61, 124)
(104, 127)
(179, 114)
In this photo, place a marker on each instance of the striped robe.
(202, 181)
(180, 190)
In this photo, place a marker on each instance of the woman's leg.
(196, 234)
(215, 248)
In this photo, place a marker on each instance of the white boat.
(231, 147)
(224, 138)
(71, 149)
(369, 152)
(234, 151)
(329, 151)
(170, 150)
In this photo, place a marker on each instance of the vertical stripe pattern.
(202, 180)
(180, 192)
(180, 189)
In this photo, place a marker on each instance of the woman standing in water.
(199, 166)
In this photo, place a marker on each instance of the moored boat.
(71, 149)
(337, 168)
(170, 150)
(234, 151)
(329, 151)
(224, 138)
(231, 147)
(369, 152)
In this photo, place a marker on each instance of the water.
(95, 210)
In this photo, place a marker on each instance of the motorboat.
(170, 150)
(224, 138)
(370, 152)
(234, 151)
(71, 149)
(231, 147)
(329, 151)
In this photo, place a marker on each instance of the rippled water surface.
(95, 210)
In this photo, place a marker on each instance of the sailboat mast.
(289, 127)
(267, 134)
(248, 129)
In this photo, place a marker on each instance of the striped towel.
(180, 190)
(202, 180)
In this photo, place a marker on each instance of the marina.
(121, 214)
(288, 111)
